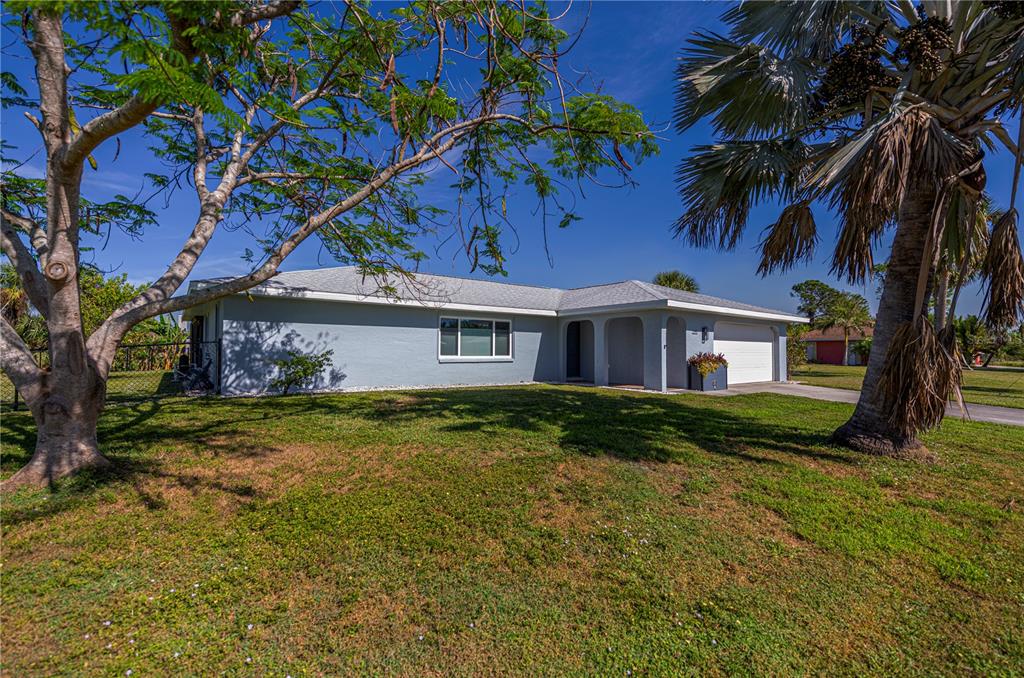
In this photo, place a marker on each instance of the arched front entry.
(579, 351)
(625, 351)
(675, 353)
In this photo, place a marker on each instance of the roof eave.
(384, 301)
(737, 312)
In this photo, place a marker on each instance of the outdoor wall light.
(703, 335)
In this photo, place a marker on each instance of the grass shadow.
(632, 426)
(588, 421)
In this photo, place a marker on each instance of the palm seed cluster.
(923, 43)
(854, 70)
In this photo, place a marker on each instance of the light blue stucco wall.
(626, 350)
(374, 346)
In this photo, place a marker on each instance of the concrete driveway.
(988, 413)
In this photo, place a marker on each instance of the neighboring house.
(443, 331)
(826, 346)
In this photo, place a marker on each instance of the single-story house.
(826, 346)
(445, 331)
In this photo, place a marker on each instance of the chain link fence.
(146, 371)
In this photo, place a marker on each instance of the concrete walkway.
(988, 413)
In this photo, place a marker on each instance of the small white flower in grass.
(131, 641)
(248, 627)
(110, 645)
(177, 654)
(172, 590)
(106, 623)
(87, 636)
(421, 637)
(472, 625)
(248, 660)
(128, 672)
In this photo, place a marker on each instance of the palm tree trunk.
(869, 430)
(846, 348)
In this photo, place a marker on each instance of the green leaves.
(336, 115)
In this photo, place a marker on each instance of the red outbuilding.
(826, 346)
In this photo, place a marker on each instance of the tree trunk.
(846, 349)
(65, 413)
(868, 430)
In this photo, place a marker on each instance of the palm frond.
(966, 232)
(920, 373)
(746, 89)
(868, 178)
(792, 238)
(1003, 272)
(719, 183)
(809, 29)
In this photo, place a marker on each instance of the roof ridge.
(607, 284)
(643, 285)
(435, 275)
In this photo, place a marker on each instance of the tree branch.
(18, 363)
(104, 126)
(20, 255)
(156, 300)
(137, 109)
(271, 10)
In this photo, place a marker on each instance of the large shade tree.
(884, 112)
(288, 122)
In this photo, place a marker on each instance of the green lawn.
(1003, 387)
(531, 530)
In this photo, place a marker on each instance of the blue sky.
(630, 49)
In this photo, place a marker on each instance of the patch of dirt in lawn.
(267, 473)
(572, 482)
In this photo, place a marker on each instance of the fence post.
(15, 398)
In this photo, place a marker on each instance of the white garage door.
(748, 348)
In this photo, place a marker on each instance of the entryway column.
(563, 326)
(655, 344)
(600, 353)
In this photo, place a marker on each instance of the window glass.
(502, 338)
(476, 338)
(449, 336)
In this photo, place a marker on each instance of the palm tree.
(883, 114)
(677, 280)
(849, 312)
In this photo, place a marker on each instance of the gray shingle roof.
(440, 289)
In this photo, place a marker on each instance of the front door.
(572, 351)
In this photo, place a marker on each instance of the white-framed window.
(474, 339)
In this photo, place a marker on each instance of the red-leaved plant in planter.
(706, 363)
